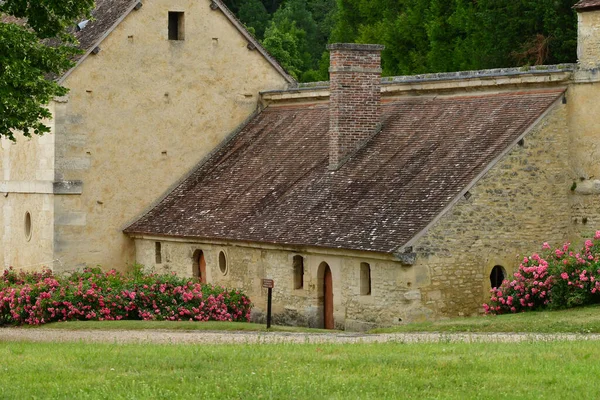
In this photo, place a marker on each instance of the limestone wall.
(394, 295)
(519, 204)
(140, 114)
(588, 39)
(26, 185)
(22, 250)
(584, 157)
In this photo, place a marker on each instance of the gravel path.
(211, 337)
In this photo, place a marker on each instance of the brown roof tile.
(271, 183)
(586, 5)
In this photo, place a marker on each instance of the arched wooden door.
(328, 299)
(200, 266)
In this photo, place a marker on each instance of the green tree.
(254, 15)
(34, 47)
(283, 45)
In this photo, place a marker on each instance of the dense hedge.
(559, 278)
(41, 297)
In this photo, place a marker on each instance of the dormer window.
(176, 25)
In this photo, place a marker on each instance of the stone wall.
(519, 204)
(140, 114)
(27, 185)
(394, 296)
(23, 248)
(584, 157)
(588, 39)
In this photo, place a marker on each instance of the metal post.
(270, 294)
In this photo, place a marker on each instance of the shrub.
(561, 278)
(38, 298)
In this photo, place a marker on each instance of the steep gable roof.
(108, 14)
(271, 183)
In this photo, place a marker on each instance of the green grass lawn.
(575, 320)
(171, 325)
(550, 370)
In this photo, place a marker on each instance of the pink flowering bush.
(559, 278)
(38, 298)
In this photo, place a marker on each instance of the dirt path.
(210, 337)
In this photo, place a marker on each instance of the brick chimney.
(588, 33)
(354, 102)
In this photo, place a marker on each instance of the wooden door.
(202, 268)
(328, 299)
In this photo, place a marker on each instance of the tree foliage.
(452, 35)
(420, 35)
(34, 46)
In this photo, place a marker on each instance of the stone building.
(153, 93)
(368, 201)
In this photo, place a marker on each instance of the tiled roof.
(271, 183)
(584, 5)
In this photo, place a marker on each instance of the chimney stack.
(355, 95)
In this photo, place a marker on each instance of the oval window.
(27, 226)
(223, 263)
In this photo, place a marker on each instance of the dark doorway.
(199, 266)
(328, 298)
(497, 275)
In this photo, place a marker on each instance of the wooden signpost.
(268, 283)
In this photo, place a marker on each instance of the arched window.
(298, 264)
(365, 279)
(497, 275)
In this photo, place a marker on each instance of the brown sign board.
(268, 283)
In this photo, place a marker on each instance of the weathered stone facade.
(395, 289)
(588, 39)
(139, 115)
(517, 204)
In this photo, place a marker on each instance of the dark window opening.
(176, 25)
(298, 272)
(158, 252)
(365, 279)
(497, 276)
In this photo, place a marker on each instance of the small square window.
(176, 25)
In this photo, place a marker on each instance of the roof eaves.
(405, 248)
(587, 5)
(252, 40)
(88, 51)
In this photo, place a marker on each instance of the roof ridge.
(470, 74)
